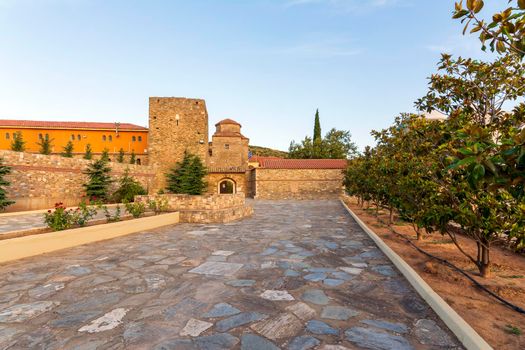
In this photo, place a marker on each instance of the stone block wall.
(39, 181)
(207, 208)
(176, 125)
(297, 183)
(213, 180)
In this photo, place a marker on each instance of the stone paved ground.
(19, 222)
(297, 275)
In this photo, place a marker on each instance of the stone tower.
(176, 125)
(229, 149)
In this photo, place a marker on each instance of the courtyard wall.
(39, 181)
(207, 208)
(296, 183)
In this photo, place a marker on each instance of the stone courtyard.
(297, 275)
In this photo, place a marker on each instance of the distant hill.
(267, 152)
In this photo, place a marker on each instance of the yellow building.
(110, 136)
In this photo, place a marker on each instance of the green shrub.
(136, 209)
(68, 150)
(4, 170)
(111, 218)
(89, 152)
(160, 205)
(59, 218)
(83, 214)
(128, 189)
(18, 144)
(187, 177)
(98, 180)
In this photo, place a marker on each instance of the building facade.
(111, 136)
(179, 125)
(176, 125)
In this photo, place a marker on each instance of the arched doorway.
(227, 186)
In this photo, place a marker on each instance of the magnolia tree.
(465, 174)
(504, 32)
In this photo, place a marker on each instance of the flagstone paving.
(22, 222)
(297, 275)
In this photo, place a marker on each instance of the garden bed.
(44, 229)
(496, 323)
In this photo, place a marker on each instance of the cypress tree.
(317, 126)
(18, 144)
(105, 155)
(132, 157)
(45, 145)
(4, 170)
(98, 180)
(120, 157)
(68, 150)
(187, 177)
(89, 152)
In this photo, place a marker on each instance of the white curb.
(463, 331)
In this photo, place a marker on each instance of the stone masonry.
(176, 125)
(39, 181)
(297, 183)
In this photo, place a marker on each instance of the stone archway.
(227, 186)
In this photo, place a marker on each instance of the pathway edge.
(463, 331)
(28, 246)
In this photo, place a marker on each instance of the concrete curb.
(23, 247)
(463, 331)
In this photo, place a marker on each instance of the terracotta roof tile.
(272, 163)
(67, 125)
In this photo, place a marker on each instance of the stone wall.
(206, 208)
(39, 181)
(213, 180)
(297, 183)
(176, 125)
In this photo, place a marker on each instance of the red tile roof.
(227, 121)
(281, 163)
(67, 125)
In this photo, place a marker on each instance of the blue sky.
(265, 63)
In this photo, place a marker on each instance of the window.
(133, 138)
(7, 136)
(140, 138)
(226, 146)
(72, 137)
(40, 136)
(103, 137)
(110, 138)
(78, 137)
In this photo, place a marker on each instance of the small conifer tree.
(187, 177)
(45, 145)
(105, 155)
(132, 159)
(89, 152)
(18, 144)
(99, 180)
(317, 126)
(68, 150)
(120, 157)
(128, 188)
(4, 201)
